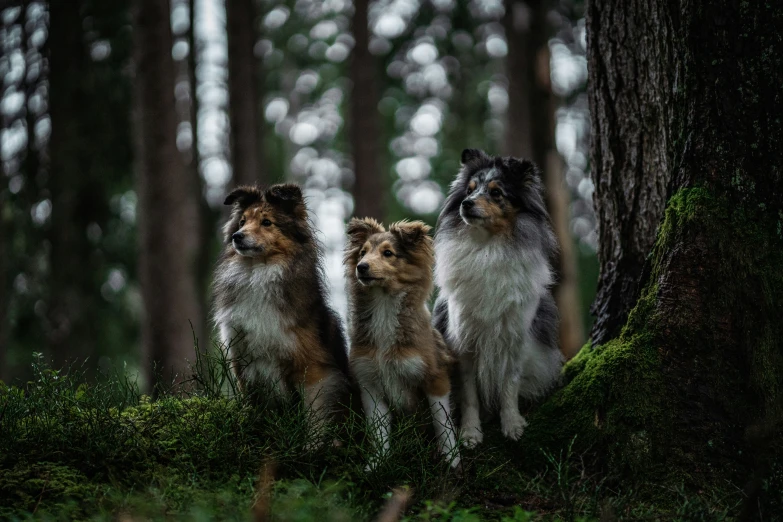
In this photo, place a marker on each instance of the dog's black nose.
(363, 268)
(238, 236)
(468, 203)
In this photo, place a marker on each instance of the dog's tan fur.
(396, 355)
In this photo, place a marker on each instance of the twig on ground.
(262, 508)
(396, 505)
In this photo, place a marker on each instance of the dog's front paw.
(513, 426)
(471, 436)
(456, 464)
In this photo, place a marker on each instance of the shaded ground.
(69, 450)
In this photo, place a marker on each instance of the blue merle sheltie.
(495, 309)
(270, 301)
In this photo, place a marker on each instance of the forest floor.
(103, 451)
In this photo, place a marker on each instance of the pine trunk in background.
(687, 126)
(205, 223)
(72, 197)
(166, 264)
(531, 134)
(369, 182)
(5, 287)
(243, 86)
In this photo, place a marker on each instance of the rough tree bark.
(686, 106)
(368, 187)
(166, 264)
(531, 134)
(632, 163)
(243, 86)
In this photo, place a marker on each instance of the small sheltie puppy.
(270, 301)
(494, 307)
(395, 353)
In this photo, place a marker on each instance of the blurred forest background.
(124, 123)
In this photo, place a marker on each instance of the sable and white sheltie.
(396, 354)
(494, 307)
(270, 304)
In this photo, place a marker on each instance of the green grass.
(103, 451)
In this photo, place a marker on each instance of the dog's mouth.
(367, 280)
(247, 250)
(471, 216)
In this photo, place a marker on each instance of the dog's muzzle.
(468, 211)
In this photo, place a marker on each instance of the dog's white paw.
(513, 426)
(471, 436)
(456, 462)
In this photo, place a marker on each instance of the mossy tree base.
(692, 390)
(685, 381)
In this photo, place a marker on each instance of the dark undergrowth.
(103, 451)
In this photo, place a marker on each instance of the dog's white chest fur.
(255, 321)
(397, 379)
(490, 284)
(382, 315)
(493, 290)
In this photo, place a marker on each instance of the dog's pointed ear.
(411, 233)
(523, 167)
(243, 196)
(469, 155)
(288, 197)
(359, 230)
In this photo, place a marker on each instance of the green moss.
(614, 403)
(43, 485)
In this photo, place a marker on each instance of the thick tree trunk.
(531, 134)
(685, 98)
(73, 198)
(631, 103)
(243, 86)
(369, 182)
(166, 264)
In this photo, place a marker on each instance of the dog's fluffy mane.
(298, 282)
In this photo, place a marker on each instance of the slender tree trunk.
(70, 277)
(369, 182)
(5, 291)
(166, 266)
(531, 134)
(243, 70)
(205, 220)
(685, 98)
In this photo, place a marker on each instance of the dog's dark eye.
(361, 254)
(266, 223)
(242, 222)
(495, 193)
(470, 191)
(388, 253)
